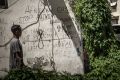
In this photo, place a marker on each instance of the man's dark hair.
(15, 28)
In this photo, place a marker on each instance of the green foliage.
(104, 69)
(95, 19)
(39, 74)
(20, 74)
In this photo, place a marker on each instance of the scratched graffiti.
(47, 30)
(38, 62)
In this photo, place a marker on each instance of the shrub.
(104, 69)
(94, 17)
(20, 74)
(39, 74)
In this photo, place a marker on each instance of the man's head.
(16, 30)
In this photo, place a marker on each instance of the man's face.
(18, 33)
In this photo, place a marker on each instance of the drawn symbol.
(40, 33)
(58, 27)
(59, 43)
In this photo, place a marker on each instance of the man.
(16, 52)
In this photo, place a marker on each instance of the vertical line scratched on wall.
(52, 57)
(53, 44)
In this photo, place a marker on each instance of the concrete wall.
(118, 10)
(60, 45)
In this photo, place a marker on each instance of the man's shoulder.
(14, 41)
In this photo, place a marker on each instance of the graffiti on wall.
(48, 29)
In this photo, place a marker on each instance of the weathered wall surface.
(118, 10)
(50, 38)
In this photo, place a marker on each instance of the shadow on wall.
(59, 9)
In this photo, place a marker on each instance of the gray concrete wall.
(118, 10)
(60, 45)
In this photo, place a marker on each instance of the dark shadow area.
(86, 61)
(3, 4)
(59, 9)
